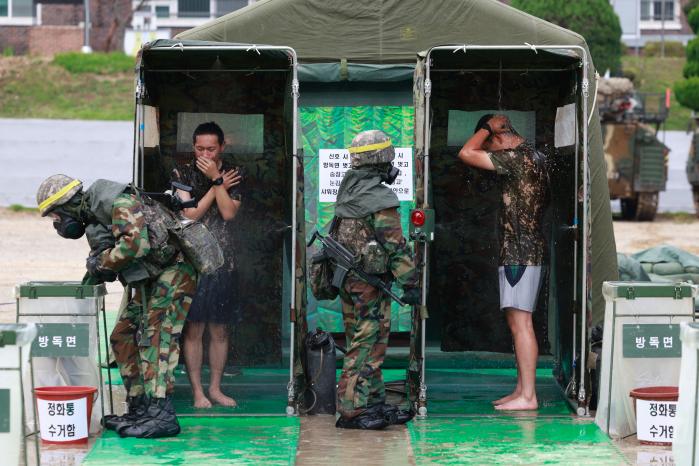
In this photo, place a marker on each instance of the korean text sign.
(64, 420)
(651, 341)
(62, 340)
(333, 163)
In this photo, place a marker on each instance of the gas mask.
(389, 175)
(68, 227)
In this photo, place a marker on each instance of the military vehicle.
(636, 159)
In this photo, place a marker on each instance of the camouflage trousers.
(146, 346)
(366, 313)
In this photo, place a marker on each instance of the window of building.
(22, 8)
(652, 10)
(162, 11)
(17, 8)
(224, 7)
(193, 8)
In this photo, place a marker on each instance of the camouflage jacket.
(137, 254)
(391, 253)
(524, 196)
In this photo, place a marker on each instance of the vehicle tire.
(647, 206)
(695, 194)
(628, 208)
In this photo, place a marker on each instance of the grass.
(38, 88)
(678, 217)
(21, 208)
(655, 74)
(100, 86)
(97, 63)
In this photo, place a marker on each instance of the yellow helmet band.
(59, 194)
(370, 147)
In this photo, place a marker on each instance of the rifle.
(344, 262)
(171, 200)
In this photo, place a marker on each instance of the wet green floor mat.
(206, 441)
(257, 391)
(504, 440)
(454, 392)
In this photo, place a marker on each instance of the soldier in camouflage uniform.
(368, 223)
(129, 238)
(495, 145)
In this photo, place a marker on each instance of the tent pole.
(139, 169)
(422, 395)
(291, 396)
(582, 398)
(575, 212)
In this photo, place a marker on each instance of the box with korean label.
(641, 347)
(67, 350)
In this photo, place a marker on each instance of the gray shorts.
(519, 286)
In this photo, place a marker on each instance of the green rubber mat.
(455, 392)
(206, 441)
(504, 440)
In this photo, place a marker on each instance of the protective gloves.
(95, 269)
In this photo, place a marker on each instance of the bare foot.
(201, 401)
(507, 398)
(219, 398)
(519, 404)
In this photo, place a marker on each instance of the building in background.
(46, 27)
(643, 21)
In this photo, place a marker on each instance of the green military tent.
(360, 68)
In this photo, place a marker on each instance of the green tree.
(595, 20)
(687, 90)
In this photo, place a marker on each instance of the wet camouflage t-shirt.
(524, 186)
(224, 231)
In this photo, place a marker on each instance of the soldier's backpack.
(195, 241)
(321, 273)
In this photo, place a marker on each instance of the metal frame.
(138, 171)
(582, 55)
(101, 391)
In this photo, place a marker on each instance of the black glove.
(95, 269)
(411, 296)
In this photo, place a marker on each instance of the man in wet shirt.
(496, 145)
(216, 186)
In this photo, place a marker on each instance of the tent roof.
(379, 31)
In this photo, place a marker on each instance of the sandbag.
(631, 270)
(666, 268)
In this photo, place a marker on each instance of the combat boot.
(138, 405)
(395, 415)
(372, 418)
(159, 421)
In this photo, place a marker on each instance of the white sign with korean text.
(64, 420)
(333, 163)
(655, 420)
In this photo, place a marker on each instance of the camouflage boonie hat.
(370, 148)
(56, 190)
